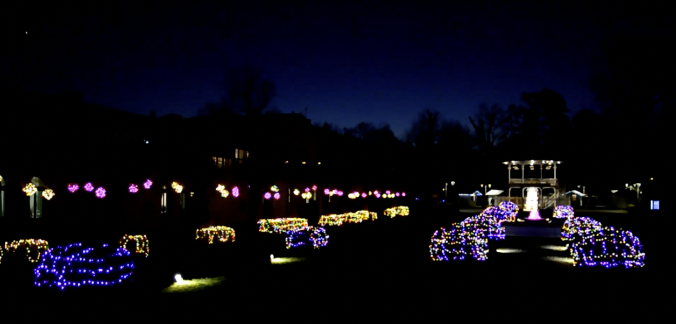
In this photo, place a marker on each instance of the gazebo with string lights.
(540, 174)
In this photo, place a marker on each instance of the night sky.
(344, 63)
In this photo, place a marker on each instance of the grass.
(374, 263)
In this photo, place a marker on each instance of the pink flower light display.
(147, 184)
(267, 195)
(396, 194)
(100, 192)
(363, 195)
(235, 192)
(89, 187)
(277, 195)
(326, 191)
(133, 188)
(307, 189)
(73, 187)
(387, 192)
(403, 194)
(314, 188)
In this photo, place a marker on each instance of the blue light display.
(76, 266)
(311, 234)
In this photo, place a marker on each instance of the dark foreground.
(380, 269)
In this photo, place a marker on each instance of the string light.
(564, 211)
(281, 225)
(133, 188)
(177, 187)
(89, 187)
(100, 192)
(486, 223)
(458, 243)
(141, 242)
(76, 266)
(300, 236)
(235, 192)
(608, 247)
(349, 218)
(73, 187)
(396, 211)
(147, 184)
(34, 248)
(30, 189)
(48, 194)
(510, 210)
(577, 227)
(224, 234)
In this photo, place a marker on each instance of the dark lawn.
(384, 263)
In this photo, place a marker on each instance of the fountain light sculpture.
(532, 204)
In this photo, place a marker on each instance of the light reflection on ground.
(561, 260)
(286, 260)
(194, 285)
(555, 247)
(510, 251)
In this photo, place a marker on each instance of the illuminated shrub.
(458, 243)
(486, 223)
(77, 266)
(349, 218)
(510, 210)
(307, 235)
(563, 211)
(608, 247)
(396, 211)
(223, 234)
(142, 246)
(576, 227)
(281, 225)
(33, 248)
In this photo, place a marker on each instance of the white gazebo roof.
(531, 162)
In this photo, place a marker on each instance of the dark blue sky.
(345, 63)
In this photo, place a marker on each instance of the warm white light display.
(347, 218)
(281, 225)
(396, 211)
(34, 248)
(48, 194)
(30, 189)
(296, 192)
(222, 233)
(141, 242)
(177, 187)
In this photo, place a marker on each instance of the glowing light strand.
(281, 225)
(303, 235)
(347, 218)
(608, 247)
(142, 246)
(396, 211)
(458, 243)
(34, 248)
(77, 266)
(223, 234)
(564, 211)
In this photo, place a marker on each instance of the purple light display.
(89, 187)
(277, 195)
(147, 184)
(363, 195)
(403, 194)
(76, 266)
(327, 191)
(100, 192)
(133, 188)
(396, 194)
(267, 195)
(73, 187)
(307, 189)
(235, 192)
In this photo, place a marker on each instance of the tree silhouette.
(424, 132)
(489, 127)
(247, 92)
